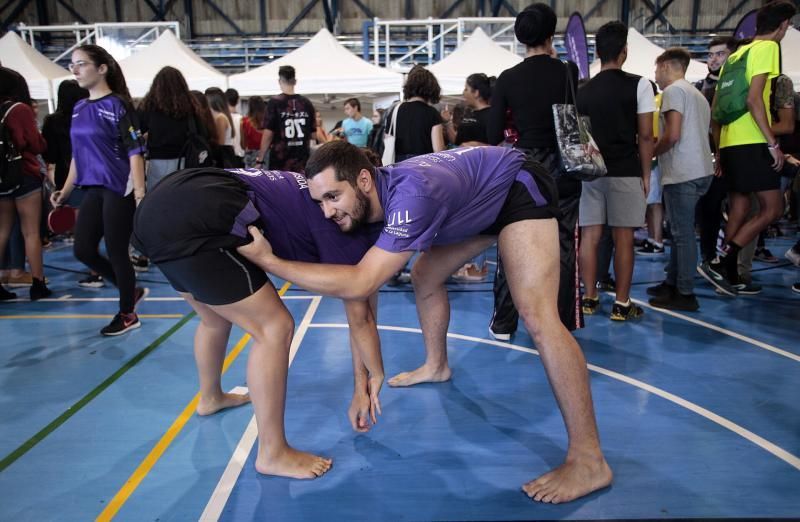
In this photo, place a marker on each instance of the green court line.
(75, 408)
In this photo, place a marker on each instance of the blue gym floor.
(699, 413)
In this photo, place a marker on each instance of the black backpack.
(196, 152)
(10, 158)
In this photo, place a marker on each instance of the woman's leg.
(118, 226)
(29, 209)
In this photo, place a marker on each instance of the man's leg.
(429, 274)
(264, 316)
(530, 252)
(210, 344)
(590, 239)
(623, 261)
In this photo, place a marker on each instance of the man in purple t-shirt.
(451, 206)
(189, 225)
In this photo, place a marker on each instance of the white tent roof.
(790, 59)
(323, 66)
(642, 54)
(37, 68)
(140, 68)
(479, 54)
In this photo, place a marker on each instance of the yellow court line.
(88, 316)
(161, 446)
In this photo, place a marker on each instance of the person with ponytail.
(108, 162)
(477, 95)
(226, 131)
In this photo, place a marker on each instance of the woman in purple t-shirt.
(107, 161)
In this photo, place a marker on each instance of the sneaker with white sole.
(650, 248)
(715, 275)
(793, 255)
(500, 336)
(92, 281)
(121, 323)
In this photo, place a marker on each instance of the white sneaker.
(793, 256)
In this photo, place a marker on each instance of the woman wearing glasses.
(107, 160)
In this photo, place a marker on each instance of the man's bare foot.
(292, 463)
(569, 481)
(228, 400)
(422, 374)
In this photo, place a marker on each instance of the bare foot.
(422, 374)
(569, 481)
(292, 463)
(228, 400)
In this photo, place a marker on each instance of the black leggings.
(105, 214)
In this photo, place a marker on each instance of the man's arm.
(671, 134)
(755, 104)
(266, 141)
(645, 130)
(343, 281)
(367, 362)
(784, 123)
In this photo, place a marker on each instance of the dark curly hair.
(205, 117)
(169, 94)
(422, 83)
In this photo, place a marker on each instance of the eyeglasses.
(80, 64)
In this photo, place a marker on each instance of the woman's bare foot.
(571, 480)
(422, 374)
(292, 463)
(227, 400)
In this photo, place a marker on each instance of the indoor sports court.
(697, 412)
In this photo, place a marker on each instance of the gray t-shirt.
(690, 157)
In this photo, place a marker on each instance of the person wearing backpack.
(748, 153)
(20, 176)
(108, 162)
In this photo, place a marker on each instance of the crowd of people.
(688, 160)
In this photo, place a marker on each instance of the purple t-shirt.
(444, 197)
(294, 224)
(104, 135)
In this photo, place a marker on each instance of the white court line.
(719, 329)
(70, 299)
(763, 443)
(229, 477)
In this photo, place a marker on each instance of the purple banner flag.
(747, 26)
(576, 44)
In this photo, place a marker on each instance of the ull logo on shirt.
(398, 218)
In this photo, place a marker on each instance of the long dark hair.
(205, 116)
(218, 102)
(256, 108)
(69, 93)
(114, 77)
(13, 87)
(169, 94)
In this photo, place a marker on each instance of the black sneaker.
(590, 305)
(662, 289)
(607, 285)
(121, 323)
(765, 256)
(93, 281)
(139, 295)
(624, 313)
(796, 287)
(744, 288)
(140, 263)
(501, 336)
(5, 295)
(650, 249)
(39, 290)
(715, 274)
(676, 301)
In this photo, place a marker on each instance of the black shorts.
(27, 187)
(215, 277)
(533, 195)
(748, 168)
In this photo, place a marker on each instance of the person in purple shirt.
(451, 206)
(108, 162)
(189, 225)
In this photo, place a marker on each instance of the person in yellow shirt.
(748, 153)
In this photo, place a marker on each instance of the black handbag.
(196, 151)
(580, 156)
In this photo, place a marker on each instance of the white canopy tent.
(790, 56)
(140, 68)
(37, 68)
(642, 54)
(478, 54)
(322, 66)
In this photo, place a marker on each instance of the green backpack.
(732, 90)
